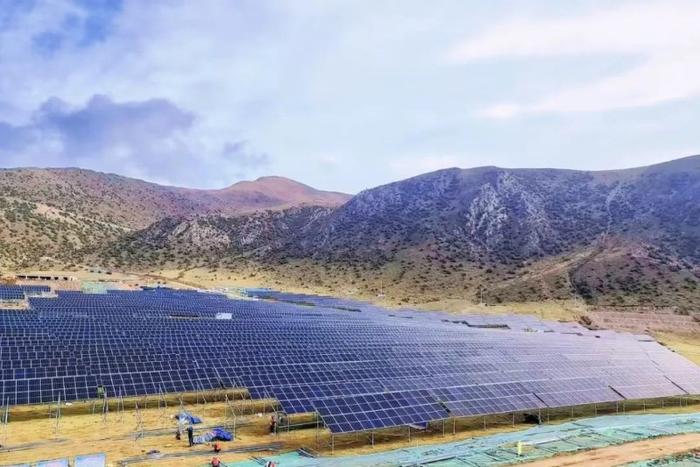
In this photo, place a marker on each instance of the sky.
(345, 95)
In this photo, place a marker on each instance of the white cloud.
(137, 139)
(663, 35)
(336, 91)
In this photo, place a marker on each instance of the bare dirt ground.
(626, 453)
(32, 436)
(121, 435)
(646, 321)
(86, 433)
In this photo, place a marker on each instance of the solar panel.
(54, 463)
(11, 292)
(570, 398)
(91, 460)
(647, 391)
(488, 399)
(299, 398)
(375, 411)
(321, 353)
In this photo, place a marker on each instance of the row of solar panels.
(486, 321)
(71, 388)
(20, 292)
(309, 357)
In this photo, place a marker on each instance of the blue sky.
(345, 95)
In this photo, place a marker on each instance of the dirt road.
(629, 452)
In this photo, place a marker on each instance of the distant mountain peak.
(276, 178)
(133, 203)
(288, 192)
(268, 181)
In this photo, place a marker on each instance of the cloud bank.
(663, 36)
(345, 95)
(149, 139)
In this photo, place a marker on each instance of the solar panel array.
(11, 292)
(35, 290)
(359, 366)
(21, 292)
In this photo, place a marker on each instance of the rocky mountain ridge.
(623, 235)
(612, 237)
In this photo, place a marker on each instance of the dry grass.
(559, 310)
(686, 345)
(116, 436)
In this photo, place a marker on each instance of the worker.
(215, 462)
(190, 435)
(217, 447)
(178, 435)
(273, 424)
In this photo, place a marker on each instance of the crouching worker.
(217, 447)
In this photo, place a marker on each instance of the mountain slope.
(134, 203)
(520, 233)
(47, 215)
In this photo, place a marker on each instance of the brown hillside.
(624, 237)
(47, 215)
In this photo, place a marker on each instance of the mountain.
(276, 192)
(621, 237)
(47, 215)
